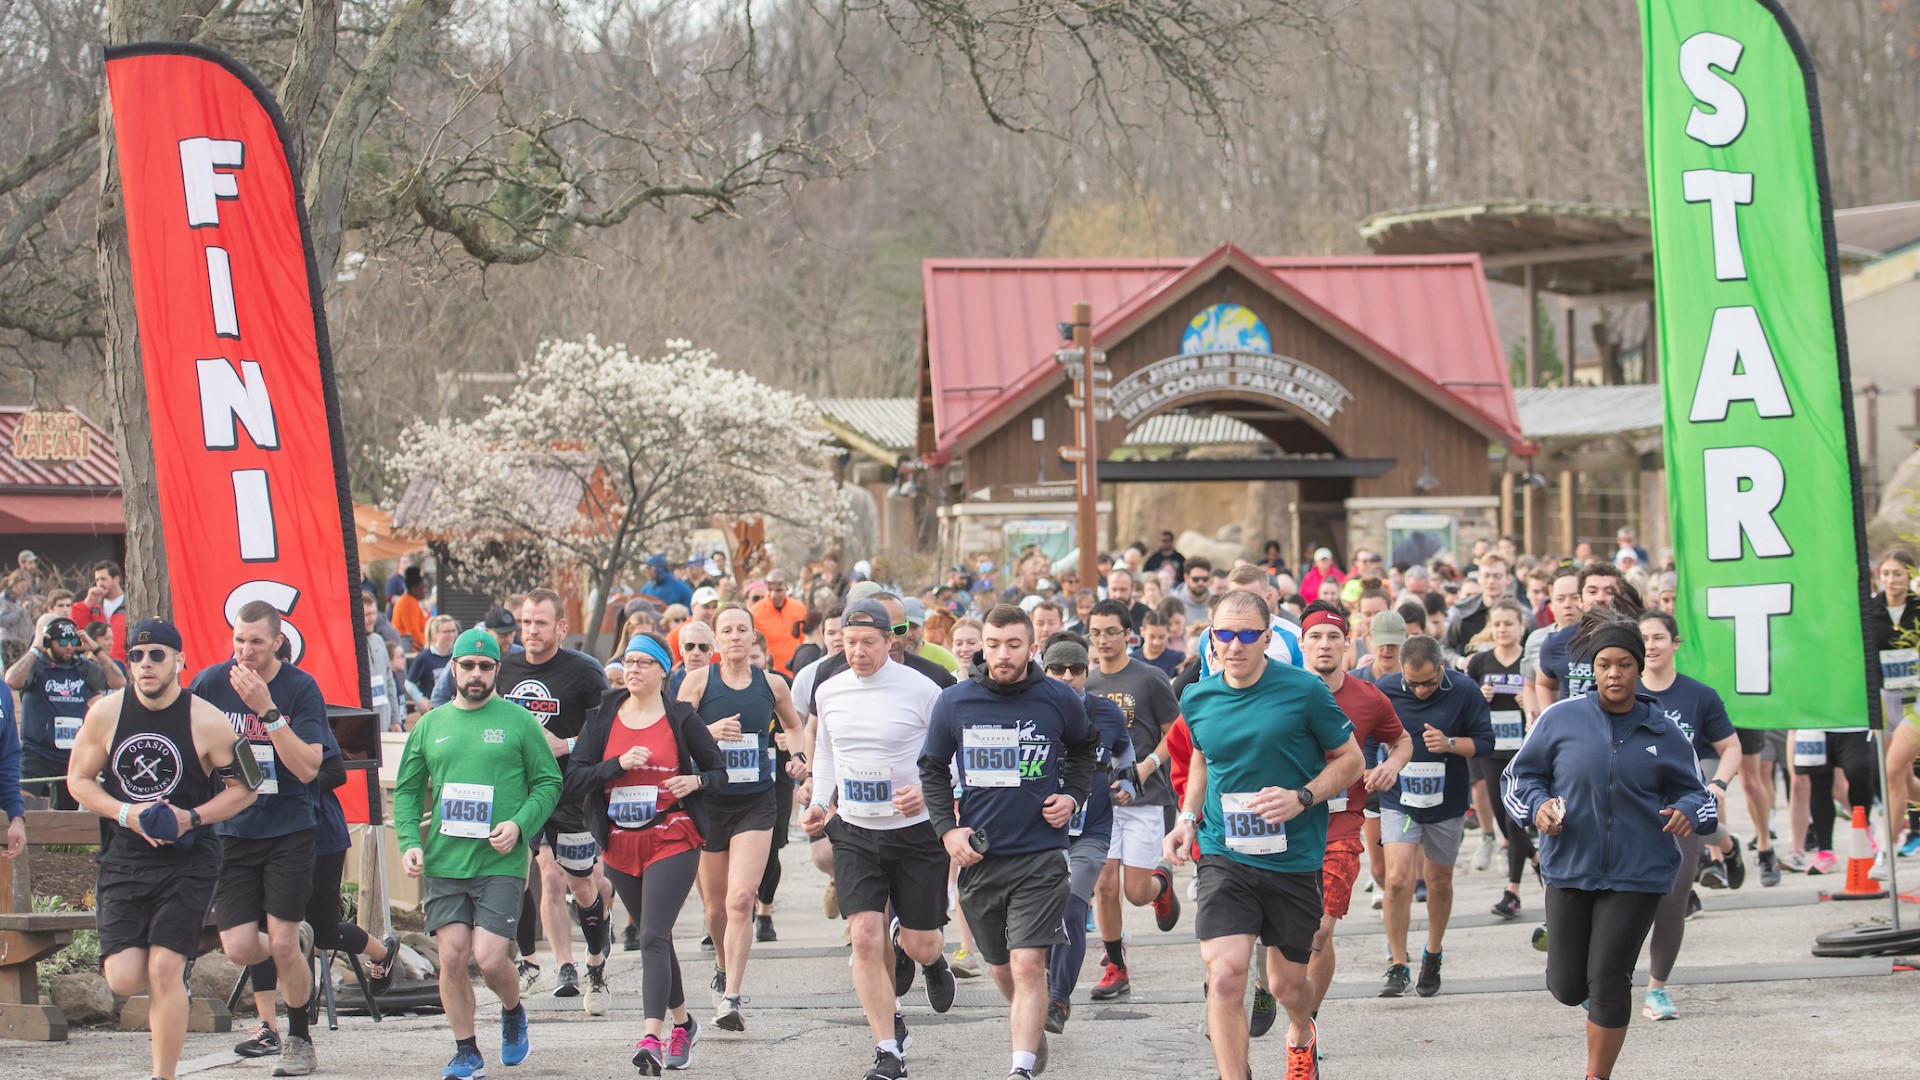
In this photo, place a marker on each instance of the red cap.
(1323, 618)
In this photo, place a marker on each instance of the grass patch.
(82, 955)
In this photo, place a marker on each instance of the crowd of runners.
(1022, 760)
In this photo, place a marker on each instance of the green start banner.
(1762, 480)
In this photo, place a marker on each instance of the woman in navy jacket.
(1612, 785)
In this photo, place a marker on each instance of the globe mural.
(1226, 328)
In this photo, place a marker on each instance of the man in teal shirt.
(1270, 747)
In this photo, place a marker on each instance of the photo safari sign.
(1764, 496)
(1226, 349)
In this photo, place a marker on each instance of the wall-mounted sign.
(1415, 538)
(1165, 383)
(1225, 328)
(1052, 536)
(45, 435)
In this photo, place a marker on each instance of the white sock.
(891, 1046)
(1023, 1060)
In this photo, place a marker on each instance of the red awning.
(41, 514)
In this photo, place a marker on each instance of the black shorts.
(569, 846)
(906, 868)
(730, 815)
(154, 905)
(54, 791)
(1848, 751)
(1015, 902)
(1283, 909)
(1489, 769)
(269, 876)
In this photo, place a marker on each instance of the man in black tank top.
(157, 765)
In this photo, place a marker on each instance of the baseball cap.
(1387, 628)
(706, 594)
(26, 556)
(1065, 652)
(152, 631)
(499, 619)
(864, 590)
(657, 561)
(871, 614)
(61, 628)
(916, 611)
(1322, 553)
(475, 642)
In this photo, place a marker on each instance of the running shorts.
(154, 906)
(574, 849)
(730, 815)
(1282, 909)
(1137, 833)
(1086, 857)
(265, 876)
(1338, 872)
(1440, 840)
(905, 868)
(490, 903)
(1015, 902)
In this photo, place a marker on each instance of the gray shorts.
(1015, 902)
(489, 903)
(1440, 839)
(1086, 856)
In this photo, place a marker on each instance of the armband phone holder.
(978, 840)
(245, 767)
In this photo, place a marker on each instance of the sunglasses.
(1200, 579)
(1067, 669)
(900, 629)
(475, 665)
(1244, 637)
(695, 646)
(158, 654)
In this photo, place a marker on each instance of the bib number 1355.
(1248, 832)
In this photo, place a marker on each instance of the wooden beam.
(1506, 502)
(1533, 327)
(1526, 514)
(1602, 249)
(1566, 511)
(1606, 299)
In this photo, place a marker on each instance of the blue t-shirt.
(54, 702)
(1168, 661)
(1437, 787)
(1275, 733)
(9, 758)
(1095, 821)
(329, 820)
(1557, 660)
(1010, 748)
(285, 804)
(1697, 708)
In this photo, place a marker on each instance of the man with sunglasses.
(1133, 869)
(1193, 592)
(1271, 749)
(479, 769)
(57, 684)
(1423, 817)
(897, 645)
(157, 764)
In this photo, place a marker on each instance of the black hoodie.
(587, 774)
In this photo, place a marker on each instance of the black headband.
(1620, 637)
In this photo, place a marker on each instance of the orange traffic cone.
(1860, 883)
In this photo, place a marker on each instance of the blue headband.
(641, 643)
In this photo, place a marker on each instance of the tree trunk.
(599, 612)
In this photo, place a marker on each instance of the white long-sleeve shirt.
(879, 722)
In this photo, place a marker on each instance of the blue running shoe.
(466, 1065)
(513, 1036)
(1911, 847)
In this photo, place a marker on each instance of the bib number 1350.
(1246, 830)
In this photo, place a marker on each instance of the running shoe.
(1166, 906)
(902, 963)
(513, 1036)
(529, 975)
(886, 1066)
(648, 1056)
(1193, 894)
(466, 1065)
(1093, 924)
(727, 1017)
(1769, 868)
(1112, 984)
(264, 1042)
(1822, 862)
(1912, 847)
(1040, 1056)
(680, 1043)
(1658, 1005)
(1019, 1074)
(1398, 976)
(941, 984)
(1264, 1012)
(962, 964)
(1057, 1014)
(763, 928)
(1878, 872)
(1540, 938)
(706, 942)
(1736, 866)
(1508, 906)
(380, 973)
(1303, 1062)
(901, 1036)
(1483, 856)
(719, 982)
(1713, 874)
(296, 1058)
(630, 939)
(830, 902)
(1694, 906)
(598, 996)
(1429, 982)
(568, 982)
(1420, 891)
(1794, 861)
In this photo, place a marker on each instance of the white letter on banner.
(205, 187)
(1751, 607)
(253, 510)
(1733, 510)
(1722, 191)
(227, 396)
(220, 287)
(1699, 55)
(283, 597)
(1738, 366)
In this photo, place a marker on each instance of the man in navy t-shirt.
(57, 682)
(269, 847)
(1562, 674)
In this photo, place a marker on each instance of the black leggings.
(1593, 941)
(782, 821)
(654, 899)
(1670, 920)
(1519, 844)
(323, 914)
(1849, 752)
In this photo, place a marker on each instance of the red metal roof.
(99, 470)
(991, 323)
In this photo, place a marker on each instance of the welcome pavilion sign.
(1227, 350)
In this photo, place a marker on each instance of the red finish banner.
(249, 459)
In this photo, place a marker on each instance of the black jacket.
(587, 774)
(1880, 629)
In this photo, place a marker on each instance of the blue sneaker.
(466, 1065)
(1912, 847)
(513, 1036)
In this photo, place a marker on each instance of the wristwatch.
(1449, 742)
(1719, 783)
(1306, 797)
(193, 819)
(274, 720)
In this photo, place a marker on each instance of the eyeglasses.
(1111, 632)
(1067, 669)
(159, 654)
(1244, 637)
(633, 660)
(475, 665)
(1421, 684)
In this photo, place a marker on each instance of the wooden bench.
(28, 937)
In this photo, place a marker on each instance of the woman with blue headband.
(639, 768)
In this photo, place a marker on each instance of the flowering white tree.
(599, 455)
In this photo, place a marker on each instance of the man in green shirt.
(483, 767)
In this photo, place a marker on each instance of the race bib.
(1509, 728)
(743, 759)
(1337, 804)
(1900, 669)
(269, 772)
(1246, 831)
(866, 793)
(633, 805)
(1077, 823)
(466, 810)
(1809, 749)
(991, 757)
(1423, 783)
(379, 686)
(575, 850)
(65, 730)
